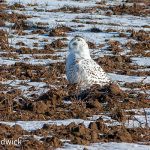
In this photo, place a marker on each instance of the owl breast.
(72, 71)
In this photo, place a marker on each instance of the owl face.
(79, 47)
(77, 44)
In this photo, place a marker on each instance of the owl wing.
(92, 72)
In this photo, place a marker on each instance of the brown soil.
(16, 6)
(39, 31)
(121, 64)
(14, 17)
(115, 47)
(20, 25)
(136, 9)
(4, 39)
(138, 1)
(91, 45)
(59, 31)
(110, 100)
(57, 44)
(140, 35)
(2, 23)
(72, 9)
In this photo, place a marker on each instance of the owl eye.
(74, 44)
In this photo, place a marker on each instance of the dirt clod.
(59, 31)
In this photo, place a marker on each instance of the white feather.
(81, 68)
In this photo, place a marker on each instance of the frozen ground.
(106, 146)
(52, 19)
(138, 121)
(81, 23)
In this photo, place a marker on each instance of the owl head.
(79, 47)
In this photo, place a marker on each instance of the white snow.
(130, 79)
(141, 61)
(34, 125)
(99, 20)
(54, 4)
(106, 146)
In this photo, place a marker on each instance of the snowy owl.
(81, 68)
